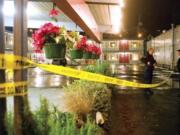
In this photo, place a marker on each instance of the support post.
(20, 49)
(3, 130)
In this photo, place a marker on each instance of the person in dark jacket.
(178, 65)
(178, 62)
(149, 62)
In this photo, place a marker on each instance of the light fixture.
(139, 35)
(116, 18)
(164, 31)
(121, 3)
(32, 10)
(8, 8)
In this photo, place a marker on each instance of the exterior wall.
(122, 51)
(163, 45)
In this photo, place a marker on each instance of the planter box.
(76, 54)
(87, 55)
(94, 56)
(55, 50)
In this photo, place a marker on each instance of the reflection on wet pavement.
(137, 114)
(53, 95)
(41, 79)
(133, 112)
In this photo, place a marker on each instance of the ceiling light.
(121, 3)
(32, 10)
(116, 18)
(8, 8)
(139, 35)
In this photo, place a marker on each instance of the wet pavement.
(137, 114)
(134, 112)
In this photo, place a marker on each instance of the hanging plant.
(53, 13)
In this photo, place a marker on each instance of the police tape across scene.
(9, 61)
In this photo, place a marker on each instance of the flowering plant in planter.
(53, 13)
(81, 44)
(96, 51)
(89, 48)
(74, 37)
(76, 51)
(45, 34)
(52, 38)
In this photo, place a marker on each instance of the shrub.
(101, 68)
(83, 97)
(78, 98)
(53, 122)
(41, 116)
(9, 123)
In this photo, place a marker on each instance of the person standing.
(149, 62)
(178, 65)
(178, 62)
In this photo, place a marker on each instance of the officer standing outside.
(178, 62)
(178, 65)
(149, 62)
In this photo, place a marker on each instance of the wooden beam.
(79, 12)
(101, 3)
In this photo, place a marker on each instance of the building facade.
(123, 51)
(165, 46)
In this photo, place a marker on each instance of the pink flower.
(45, 34)
(89, 48)
(95, 50)
(53, 13)
(81, 45)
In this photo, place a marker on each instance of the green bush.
(53, 122)
(9, 123)
(97, 93)
(100, 68)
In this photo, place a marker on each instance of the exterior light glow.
(139, 35)
(121, 3)
(8, 9)
(32, 10)
(116, 18)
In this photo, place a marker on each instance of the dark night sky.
(154, 14)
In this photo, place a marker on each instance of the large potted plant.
(52, 39)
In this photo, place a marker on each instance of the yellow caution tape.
(9, 61)
(17, 62)
(13, 88)
(93, 77)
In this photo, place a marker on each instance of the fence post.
(3, 130)
(20, 49)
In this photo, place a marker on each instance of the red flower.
(81, 45)
(95, 50)
(45, 34)
(53, 13)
